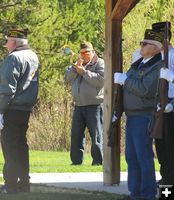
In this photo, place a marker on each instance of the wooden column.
(111, 169)
(115, 12)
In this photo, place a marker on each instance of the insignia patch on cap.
(17, 33)
(160, 26)
(153, 35)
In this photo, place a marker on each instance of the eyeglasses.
(145, 43)
(84, 53)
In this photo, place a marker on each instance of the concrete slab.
(92, 181)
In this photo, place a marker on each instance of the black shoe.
(24, 188)
(96, 164)
(76, 164)
(124, 198)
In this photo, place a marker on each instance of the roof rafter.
(122, 8)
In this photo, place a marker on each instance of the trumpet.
(67, 51)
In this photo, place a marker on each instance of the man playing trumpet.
(87, 79)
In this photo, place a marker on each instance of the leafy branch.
(9, 5)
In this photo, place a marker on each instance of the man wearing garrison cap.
(139, 88)
(165, 147)
(87, 79)
(159, 28)
(18, 94)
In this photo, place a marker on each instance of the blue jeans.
(90, 117)
(139, 157)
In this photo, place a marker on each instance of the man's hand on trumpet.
(79, 67)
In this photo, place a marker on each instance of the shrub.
(50, 121)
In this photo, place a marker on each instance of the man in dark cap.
(139, 89)
(164, 146)
(87, 79)
(18, 93)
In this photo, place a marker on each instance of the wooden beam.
(132, 6)
(122, 8)
(111, 168)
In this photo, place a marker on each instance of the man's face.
(86, 55)
(148, 49)
(11, 44)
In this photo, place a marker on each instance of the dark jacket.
(141, 85)
(19, 80)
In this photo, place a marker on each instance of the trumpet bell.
(66, 50)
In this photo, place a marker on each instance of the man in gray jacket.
(18, 93)
(87, 79)
(139, 89)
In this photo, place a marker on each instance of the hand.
(168, 108)
(80, 62)
(79, 69)
(158, 107)
(1, 122)
(166, 74)
(119, 78)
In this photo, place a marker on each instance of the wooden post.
(111, 168)
(115, 11)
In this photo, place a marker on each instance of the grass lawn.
(43, 162)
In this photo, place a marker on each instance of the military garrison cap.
(153, 35)
(85, 45)
(160, 26)
(17, 33)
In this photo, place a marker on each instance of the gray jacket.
(19, 80)
(88, 88)
(140, 87)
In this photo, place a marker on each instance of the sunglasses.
(145, 43)
(84, 53)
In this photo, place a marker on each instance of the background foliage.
(54, 23)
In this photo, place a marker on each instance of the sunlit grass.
(43, 162)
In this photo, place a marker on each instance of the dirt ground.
(45, 189)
